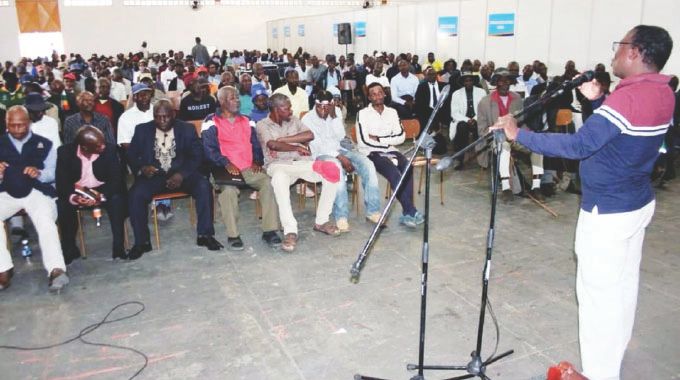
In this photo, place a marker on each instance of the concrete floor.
(264, 314)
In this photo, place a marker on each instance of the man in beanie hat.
(260, 97)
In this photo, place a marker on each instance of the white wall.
(118, 28)
(553, 31)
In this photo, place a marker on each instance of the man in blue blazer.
(164, 155)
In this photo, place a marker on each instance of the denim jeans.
(365, 169)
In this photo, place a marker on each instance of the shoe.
(420, 218)
(162, 212)
(138, 250)
(343, 225)
(408, 221)
(253, 196)
(234, 244)
(327, 228)
(58, 279)
(272, 239)
(537, 194)
(289, 242)
(507, 196)
(375, 218)
(121, 254)
(5, 278)
(209, 242)
(548, 189)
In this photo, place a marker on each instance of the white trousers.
(285, 174)
(504, 168)
(43, 213)
(609, 248)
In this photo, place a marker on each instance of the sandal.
(289, 242)
(327, 228)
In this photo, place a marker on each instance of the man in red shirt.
(106, 105)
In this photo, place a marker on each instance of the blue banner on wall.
(286, 31)
(275, 33)
(360, 28)
(448, 25)
(301, 30)
(502, 24)
(335, 30)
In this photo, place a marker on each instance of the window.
(4, 3)
(239, 2)
(88, 3)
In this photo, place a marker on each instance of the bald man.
(27, 165)
(89, 162)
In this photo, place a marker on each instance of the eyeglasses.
(615, 44)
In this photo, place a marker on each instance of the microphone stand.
(427, 143)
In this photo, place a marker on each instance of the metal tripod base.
(475, 367)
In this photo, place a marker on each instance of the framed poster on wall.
(301, 30)
(275, 33)
(360, 28)
(286, 31)
(448, 26)
(501, 24)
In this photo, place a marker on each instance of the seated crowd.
(198, 124)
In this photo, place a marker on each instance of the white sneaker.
(342, 224)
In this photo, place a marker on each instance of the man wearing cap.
(27, 166)
(378, 131)
(87, 116)
(199, 103)
(498, 103)
(164, 155)
(231, 143)
(89, 162)
(261, 106)
(327, 132)
(147, 79)
(286, 160)
(142, 112)
(464, 109)
(298, 97)
(42, 125)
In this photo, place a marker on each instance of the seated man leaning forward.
(231, 143)
(164, 156)
(286, 161)
(27, 165)
(379, 129)
(89, 175)
(326, 131)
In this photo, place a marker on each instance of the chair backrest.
(197, 125)
(411, 128)
(564, 117)
(347, 84)
(302, 114)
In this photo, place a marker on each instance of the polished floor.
(265, 314)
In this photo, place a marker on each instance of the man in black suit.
(164, 155)
(89, 163)
(427, 95)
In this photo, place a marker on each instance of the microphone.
(586, 76)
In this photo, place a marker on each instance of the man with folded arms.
(287, 160)
(231, 143)
(27, 165)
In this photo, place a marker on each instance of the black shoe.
(210, 243)
(138, 250)
(548, 189)
(272, 239)
(119, 254)
(234, 244)
(537, 195)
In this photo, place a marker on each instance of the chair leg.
(192, 214)
(301, 194)
(441, 187)
(258, 208)
(126, 239)
(316, 197)
(81, 234)
(7, 234)
(420, 179)
(155, 227)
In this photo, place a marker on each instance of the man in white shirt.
(142, 112)
(42, 125)
(404, 86)
(378, 130)
(298, 98)
(168, 74)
